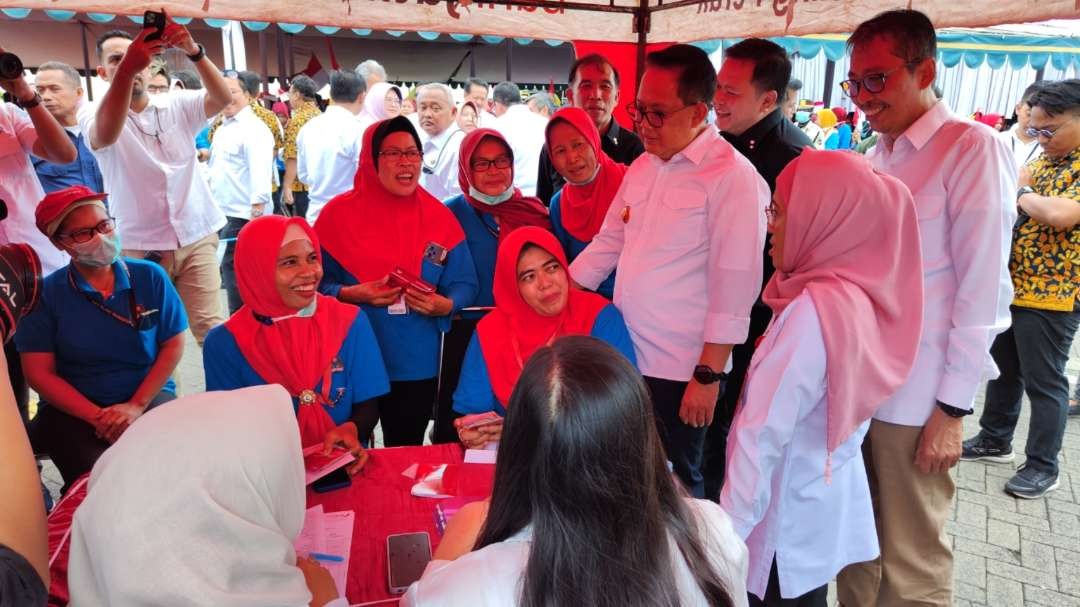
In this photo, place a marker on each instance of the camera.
(20, 285)
(11, 67)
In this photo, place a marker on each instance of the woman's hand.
(478, 438)
(428, 304)
(373, 293)
(345, 436)
(318, 580)
(114, 420)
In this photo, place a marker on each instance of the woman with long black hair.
(584, 510)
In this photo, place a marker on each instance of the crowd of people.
(719, 335)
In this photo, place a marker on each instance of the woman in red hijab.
(395, 250)
(321, 350)
(592, 180)
(534, 305)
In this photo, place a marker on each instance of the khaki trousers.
(196, 275)
(916, 563)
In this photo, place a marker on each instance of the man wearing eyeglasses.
(963, 181)
(686, 230)
(328, 146)
(1045, 274)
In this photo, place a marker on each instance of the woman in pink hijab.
(847, 317)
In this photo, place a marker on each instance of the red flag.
(551, 86)
(313, 67)
(333, 58)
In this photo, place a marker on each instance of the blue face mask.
(802, 117)
(102, 250)
(489, 199)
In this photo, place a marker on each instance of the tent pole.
(830, 77)
(641, 23)
(283, 75)
(509, 59)
(86, 63)
(264, 59)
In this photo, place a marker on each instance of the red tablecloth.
(381, 498)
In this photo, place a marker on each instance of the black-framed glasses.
(392, 155)
(484, 165)
(87, 234)
(873, 83)
(655, 119)
(1043, 133)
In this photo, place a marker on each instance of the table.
(381, 498)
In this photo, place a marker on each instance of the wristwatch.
(34, 101)
(1024, 190)
(952, 411)
(704, 374)
(198, 56)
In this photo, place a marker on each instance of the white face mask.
(306, 312)
(102, 250)
(489, 199)
(589, 180)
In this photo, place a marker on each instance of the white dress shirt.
(20, 188)
(241, 164)
(688, 255)
(327, 154)
(491, 576)
(440, 172)
(775, 492)
(963, 179)
(1023, 153)
(155, 191)
(524, 129)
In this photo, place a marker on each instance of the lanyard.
(136, 312)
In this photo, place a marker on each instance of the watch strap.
(32, 103)
(198, 56)
(952, 411)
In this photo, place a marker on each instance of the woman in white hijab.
(199, 504)
(383, 100)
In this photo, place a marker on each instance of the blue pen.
(330, 558)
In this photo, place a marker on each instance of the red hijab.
(511, 332)
(585, 206)
(512, 214)
(853, 245)
(370, 231)
(294, 352)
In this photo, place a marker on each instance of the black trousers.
(299, 206)
(715, 460)
(683, 444)
(18, 380)
(70, 442)
(228, 273)
(453, 356)
(404, 412)
(815, 598)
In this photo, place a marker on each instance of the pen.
(330, 558)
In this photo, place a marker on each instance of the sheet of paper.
(312, 537)
(480, 456)
(338, 533)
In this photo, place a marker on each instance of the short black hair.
(471, 82)
(772, 68)
(794, 84)
(306, 87)
(1031, 90)
(1056, 98)
(506, 93)
(189, 78)
(911, 33)
(250, 82)
(592, 59)
(109, 35)
(697, 78)
(346, 86)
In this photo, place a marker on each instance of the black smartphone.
(156, 20)
(407, 554)
(337, 479)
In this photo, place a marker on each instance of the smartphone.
(337, 479)
(407, 554)
(402, 278)
(156, 20)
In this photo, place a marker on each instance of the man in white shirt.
(241, 175)
(1023, 147)
(686, 231)
(441, 137)
(963, 180)
(163, 207)
(328, 147)
(476, 90)
(524, 130)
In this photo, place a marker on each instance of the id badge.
(398, 307)
(436, 253)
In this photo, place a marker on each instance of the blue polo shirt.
(482, 234)
(474, 393)
(103, 358)
(83, 171)
(357, 375)
(573, 246)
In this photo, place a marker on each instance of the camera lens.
(11, 67)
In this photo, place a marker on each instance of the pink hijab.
(853, 245)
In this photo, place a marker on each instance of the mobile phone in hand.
(156, 20)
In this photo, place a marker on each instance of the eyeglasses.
(410, 155)
(655, 119)
(1044, 133)
(155, 89)
(483, 165)
(87, 234)
(873, 83)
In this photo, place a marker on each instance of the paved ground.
(1009, 552)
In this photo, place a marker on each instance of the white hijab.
(374, 108)
(198, 503)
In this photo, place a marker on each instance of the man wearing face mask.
(105, 338)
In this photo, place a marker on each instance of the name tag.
(398, 308)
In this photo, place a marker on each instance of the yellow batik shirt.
(269, 118)
(1045, 262)
(300, 117)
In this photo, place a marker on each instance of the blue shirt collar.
(119, 268)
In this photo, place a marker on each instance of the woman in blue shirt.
(392, 248)
(321, 350)
(592, 180)
(103, 342)
(534, 305)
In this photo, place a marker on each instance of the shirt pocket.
(933, 231)
(680, 219)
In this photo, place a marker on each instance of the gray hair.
(69, 72)
(370, 68)
(436, 86)
(543, 100)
